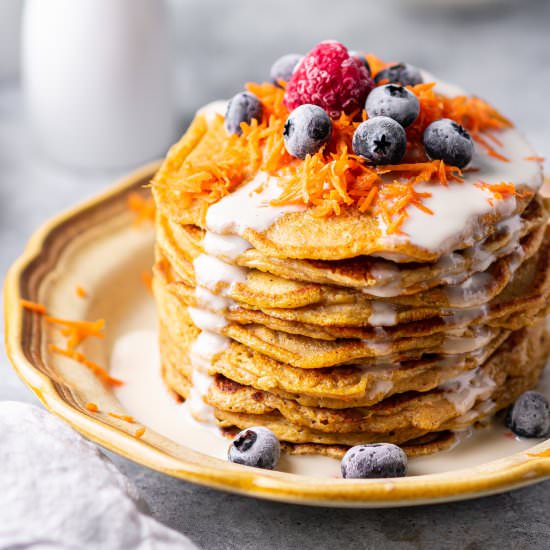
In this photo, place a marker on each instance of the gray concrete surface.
(501, 52)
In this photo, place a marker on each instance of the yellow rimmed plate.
(97, 247)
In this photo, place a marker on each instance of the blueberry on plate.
(402, 73)
(380, 140)
(242, 107)
(361, 57)
(283, 68)
(394, 101)
(374, 461)
(307, 129)
(529, 416)
(257, 447)
(448, 141)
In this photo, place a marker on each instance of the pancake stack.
(333, 331)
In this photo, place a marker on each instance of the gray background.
(499, 49)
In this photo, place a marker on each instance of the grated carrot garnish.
(147, 280)
(80, 292)
(333, 179)
(125, 417)
(143, 208)
(92, 407)
(77, 331)
(99, 371)
(499, 191)
(534, 158)
(33, 306)
(139, 432)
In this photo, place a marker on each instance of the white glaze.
(210, 301)
(226, 247)
(248, 207)
(382, 314)
(211, 110)
(468, 388)
(206, 320)
(210, 271)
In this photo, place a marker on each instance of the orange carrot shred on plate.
(139, 432)
(80, 292)
(535, 158)
(33, 306)
(99, 371)
(92, 407)
(77, 331)
(125, 417)
(147, 280)
(143, 208)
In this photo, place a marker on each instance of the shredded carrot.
(99, 371)
(92, 407)
(147, 280)
(125, 417)
(33, 306)
(534, 158)
(77, 331)
(333, 179)
(542, 454)
(143, 208)
(80, 292)
(139, 432)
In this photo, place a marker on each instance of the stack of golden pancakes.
(334, 329)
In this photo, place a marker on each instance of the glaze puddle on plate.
(135, 359)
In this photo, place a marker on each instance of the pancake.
(296, 233)
(338, 302)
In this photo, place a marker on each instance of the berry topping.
(362, 58)
(375, 460)
(257, 447)
(529, 416)
(242, 107)
(330, 78)
(402, 73)
(394, 101)
(307, 129)
(448, 141)
(381, 140)
(283, 68)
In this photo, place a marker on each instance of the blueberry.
(394, 101)
(381, 140)
(257, 447)
(283, 68)
(448, 141)
(307, 129)
(529, 416)
(374, 460)
(402, 73)
(242, 107)
(362, 58)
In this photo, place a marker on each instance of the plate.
(87, 264)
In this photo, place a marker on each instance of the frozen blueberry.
(257, 447)
(242, 107)
(402, 73)
(381, 140)
(374, 460)
(307, 129)
(283, 68)
(362, 58)
(529, 416)
(394, 101)
(448, 141)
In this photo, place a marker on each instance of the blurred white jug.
(97, 80)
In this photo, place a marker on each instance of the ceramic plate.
(96, 246)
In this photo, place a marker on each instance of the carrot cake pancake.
(351, 253)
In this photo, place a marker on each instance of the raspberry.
(330, 78)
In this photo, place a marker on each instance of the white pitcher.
(97, 80)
